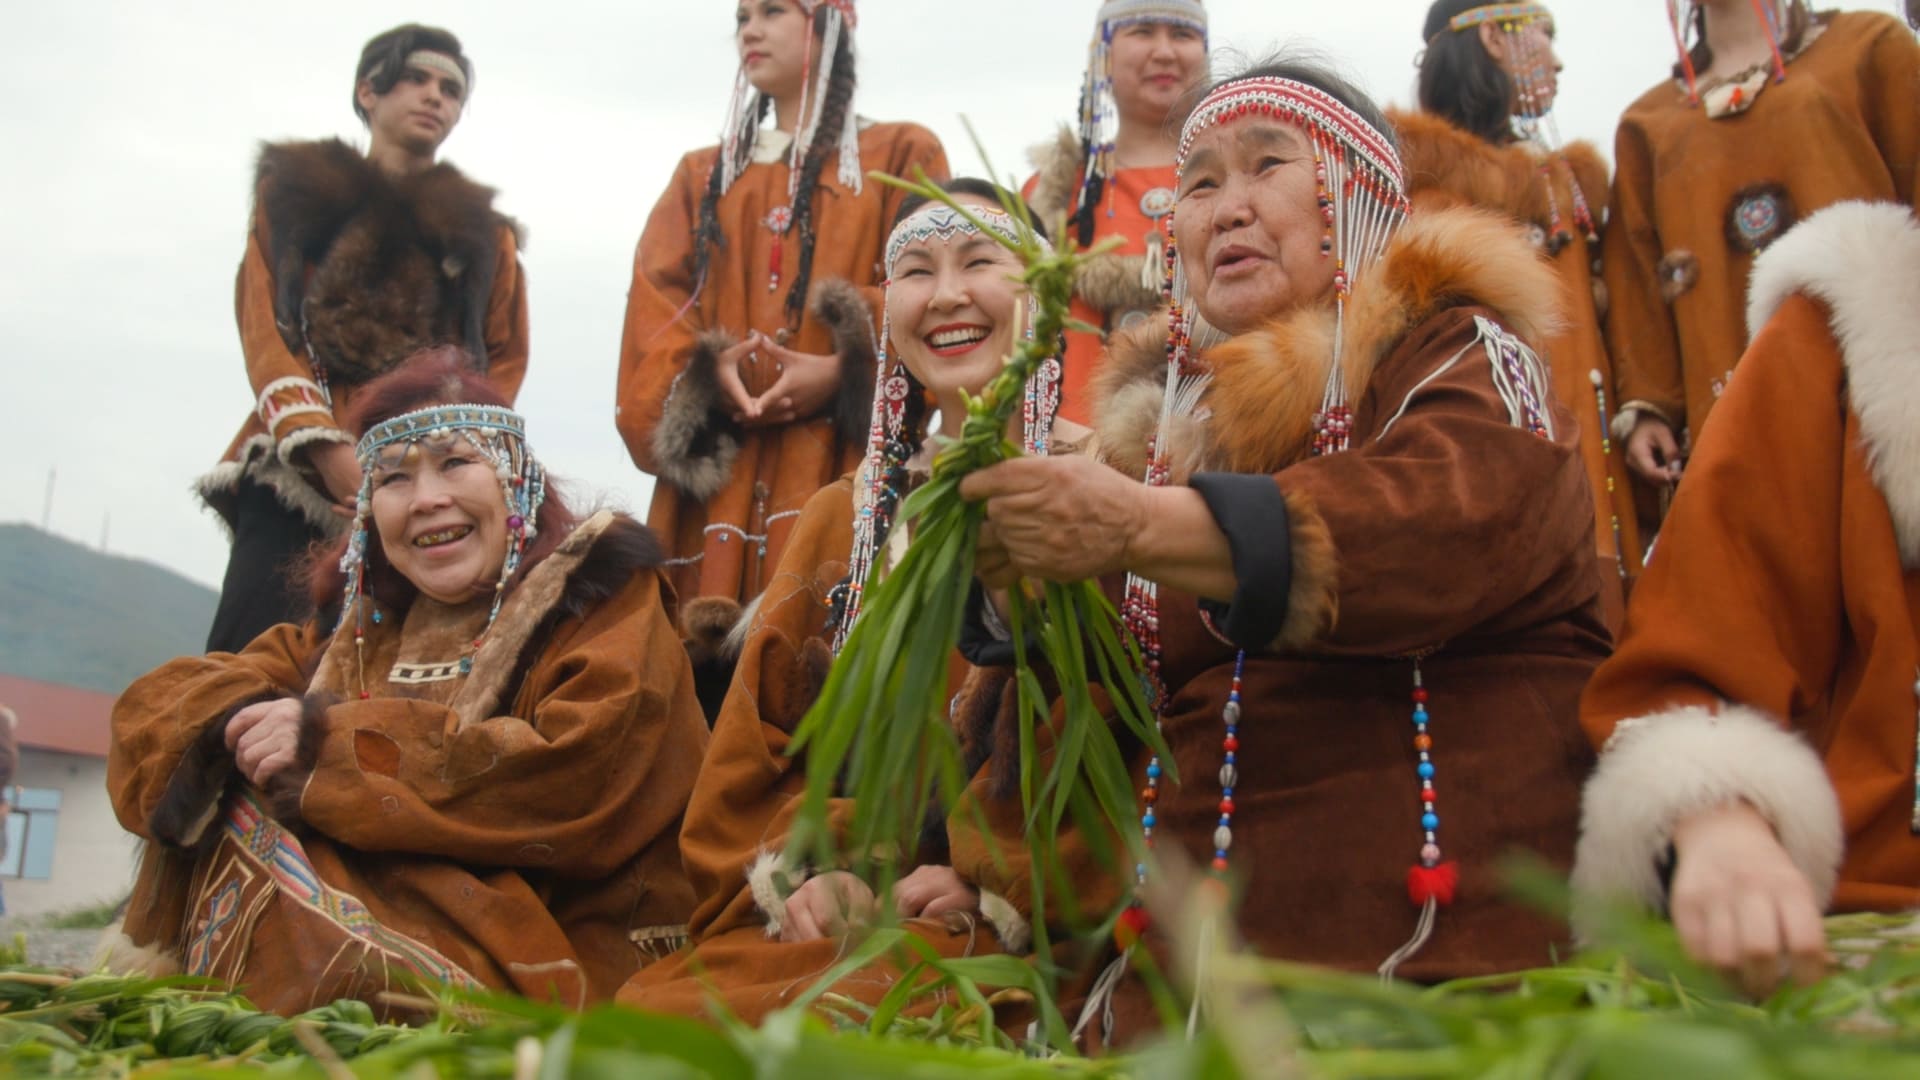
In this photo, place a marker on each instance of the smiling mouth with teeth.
(444, 536)
(953, 339)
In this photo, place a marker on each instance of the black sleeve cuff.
(977, 643)
(1253, 514)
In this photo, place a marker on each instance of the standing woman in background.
(747, 358)
(1485, 136)
(1114, 176)
(1773, 112)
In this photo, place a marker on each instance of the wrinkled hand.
(339, 471)
(1653, 452)
(1740, 904)
(726, 370)
(265, 739)
(932, 891)
(1061, 519)
(825, 905)
(803, 385)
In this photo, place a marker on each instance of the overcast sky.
(130, 131)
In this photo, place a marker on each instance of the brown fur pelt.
(397, 264)
(1449, 166)
(199, 783)
(849, 319)
(1257, 416)
(697, 439)
(705, 623)
(1056, 178)
(1111, 284)
(283, 789)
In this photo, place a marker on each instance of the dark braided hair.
(1096, 186)
(833, 117)
(707, 234)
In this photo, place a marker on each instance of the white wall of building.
(93, 857)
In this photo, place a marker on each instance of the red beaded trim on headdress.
(1300, 104)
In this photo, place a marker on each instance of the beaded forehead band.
(496, 434)
(938, 221)
(437, 421)
(1115, 14)
(1499, 13)
(439, 62)
(1331, 123)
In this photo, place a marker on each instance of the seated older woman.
(470, 770)
(1361, 565)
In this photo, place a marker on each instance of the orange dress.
(1771, 649)
(1120, 289)
(1448, 166)
(726, 498)
(1695, 198)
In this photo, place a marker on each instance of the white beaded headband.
(938, 221)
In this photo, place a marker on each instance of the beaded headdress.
(1774, 16)
(1099, 114)
(742, 125)
(1362, 198)
(881, 482)
(500, 436)
(1529, 66)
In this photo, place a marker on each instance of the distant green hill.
(71, 615)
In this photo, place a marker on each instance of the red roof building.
(62, 719)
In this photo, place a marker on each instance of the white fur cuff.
(116, 953)
(1658, 769)
(1627, 417)
(770, 882)
(1008, 924)
(289, 448)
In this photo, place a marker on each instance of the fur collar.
(1441, 157)
(1862, 260)
(593, 563)
(395, 263)
(1258, 413)
(1057, 178)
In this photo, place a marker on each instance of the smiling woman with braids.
(748, 349)
(953, 308)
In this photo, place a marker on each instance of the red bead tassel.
(1435, 883)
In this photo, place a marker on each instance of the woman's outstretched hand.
(1740, 904)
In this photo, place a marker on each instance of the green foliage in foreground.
(1601, 1016)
